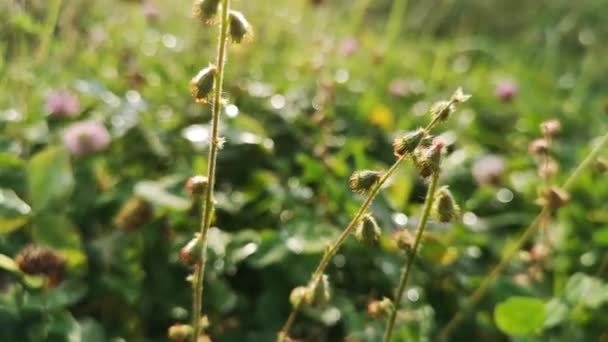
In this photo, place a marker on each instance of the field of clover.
(303, 171)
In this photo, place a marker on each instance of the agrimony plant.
(418, 146)
(206, 88)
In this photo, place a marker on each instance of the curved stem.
(426, 212)
(527, 234)
(199, 272)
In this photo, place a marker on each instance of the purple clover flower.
(86, 137)
(62, 104)
(348, 46)
(488, 170)
(506, 90)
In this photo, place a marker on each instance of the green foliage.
(520, 316)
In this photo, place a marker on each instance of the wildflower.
(134, 213)
(488, 170)
(398, 88)
(179, 332)
(368, 231)
(39, 260)
(201, 85)
(380, 308)
(551, 128)
(239, 28)
(62, 104)
(86, 137)
(445, 208)
(459, 96)
(348, 46)
(205, 10)
(506, 90)
(319, 291)
(538, 147)
(407, 143)
(192, 252)
(150, 11)
(362, 181)
(196, 185)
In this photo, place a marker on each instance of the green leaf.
(585, 290)
(50, 177)
(7, 263)
(520, 316)
(557, 312)
(156, 193)
(600, 236)
(13, 211)
(59, 232)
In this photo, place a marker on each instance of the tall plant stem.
(426, 212)
(527, 234)
(199, 271)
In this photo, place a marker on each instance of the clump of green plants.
(206, 88)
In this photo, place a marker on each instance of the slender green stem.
(199, 272)
(48, 30)
(426, 212)
(527, 234)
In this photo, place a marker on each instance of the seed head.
(551, 128)
(554, 197)
(368, 231)
(538, 147)
(380, 308)
(299, 295)
(428, 160)
(201, 85)
(39, 260)
(404, 239)
(205, 10)
(408, 142)
(192, 252)
(319, 291)
(445, 208)
(239, 28)
(459, 96)
(441, 110)
(196, 185)
(548, 169)
(179, 332)
(362, 181)
(133, 214)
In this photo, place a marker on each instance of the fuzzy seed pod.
(319, 291)
(459, 96)
(441, 110)
(554, 197)
(201, 85)
(380, 308)
(445, 208)
(39, 260)
(133, 214)
(299, 295)
(551, 128)
(408, 142)
(600, 166)
(548, 169)
(368, 231)
(192, 252)
(428, 160)
(196, 185)
(538, 147)
(404, 239)
(239, 28)
(205, 10)
(362, 181)
(179, 332)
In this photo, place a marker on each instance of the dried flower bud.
(368, 231)
(428, 160)
(239, 28)
(404, 239)
(179, 332)
(133, 214)
(554, 197)
(201, 85)
(600, 166)
(408, 142)
(380, 308)
(548, 169)
(205, 10)
(362, 181)
(441, 110)
(551, 128)
(539, 252)
(298, 296)
(459, 96)
(319, 291)
(192, 252)
(196, 185)
(538, 147)
(39, 260)
(445, 208)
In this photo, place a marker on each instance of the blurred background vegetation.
(320, 92)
